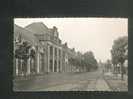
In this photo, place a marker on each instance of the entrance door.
(55, 66)
(51, 66)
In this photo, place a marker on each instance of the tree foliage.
(22, 52)
(90, 61)
(87, 61)
(118, 50)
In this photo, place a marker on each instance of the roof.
(69, 51)
(37, 28)
(27, 35)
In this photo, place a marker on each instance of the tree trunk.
(116, 68)
(122, 71)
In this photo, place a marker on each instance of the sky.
(85, 34)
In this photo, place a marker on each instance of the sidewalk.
(115, 82)
(101, 85)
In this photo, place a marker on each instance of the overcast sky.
(85, 34)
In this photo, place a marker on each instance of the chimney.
(73, 49)
(55, 28)
(55, 31)
(66, 44)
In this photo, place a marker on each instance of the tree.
(118, 52)
(86, 61)
(90, 61)
(108, 65)
(22, 52)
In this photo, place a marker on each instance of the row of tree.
(86, 61)
(119, 53)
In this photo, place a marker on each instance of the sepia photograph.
(70, 54)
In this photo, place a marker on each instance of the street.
(46, 60)
(87, 81)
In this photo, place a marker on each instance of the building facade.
(45, 52)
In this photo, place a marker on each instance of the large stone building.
(67, 54)
(32, 64)
(46, 52)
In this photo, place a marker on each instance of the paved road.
(88, 81)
